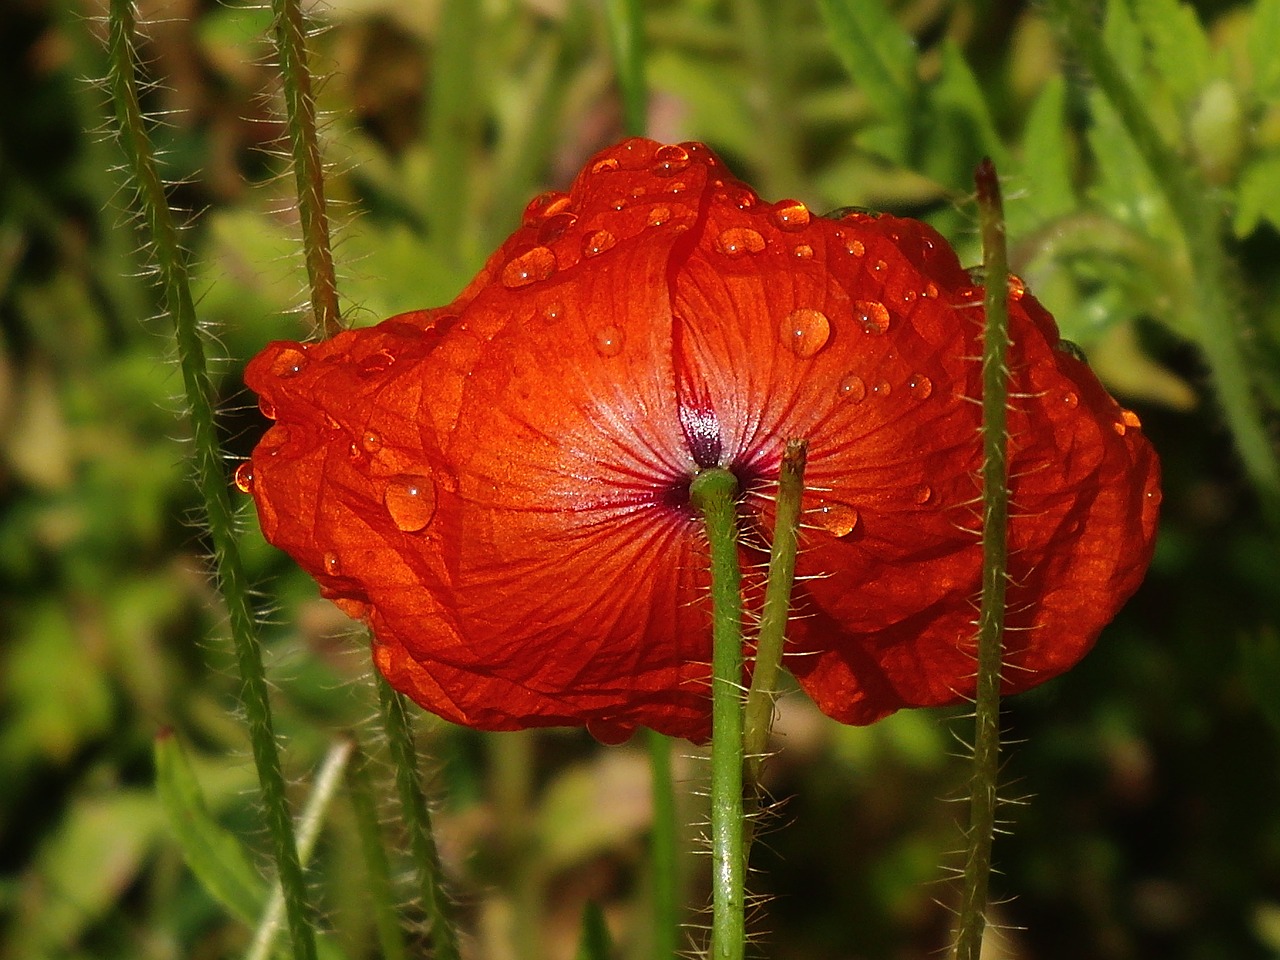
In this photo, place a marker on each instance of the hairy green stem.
(714, 493)
(322, 792)
(210, 475)
(995, 566)
(1222, 332)
(773, 621)
(377, 864)
(290, 33)
(417, 821)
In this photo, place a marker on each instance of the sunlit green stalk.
(377, 864)
(624, 21)
(323, 790)
(995, 566)
(773, 621)
(289, 29)
(417, 821)
(453, 122)
(663, 849)
(1216, 288)
(512, 757)
(714, 493)
(210, 476)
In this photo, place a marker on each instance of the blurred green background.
(1150, 774)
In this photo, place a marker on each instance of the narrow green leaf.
(624, 22)
(1264, 41)
(215, 856)
(1258, 196)
(959, 114)
(1046, 162)
(1177, 47)
(593, 943)
(881, 58)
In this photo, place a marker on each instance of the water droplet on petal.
(606, 165)
(852, 389)
(805, 331)
(856, 248)
(669, 159)
(288, 362)
(544, 205)
(745, 198)
(872, 314)
(1119, 428)
(411, 501)
(554, 227)
(908, 296)
(1070, 400)
(930, 290)
(736, 241)
(879, 266)
(619, 204)
(677, 186)
(1016, 287)
(920, 386)
(837, 519)
(244, 477)
(790, 215)
(267, 408)
(1130, 419)
(374, 364)
(332, 565)
(922, 493)
(803, 251)
(882, 389)
(371, 441)
(553, 311)
(597, 243)
(533, 265)
(608, 341)
(659, 215)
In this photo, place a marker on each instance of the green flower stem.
(1216, 288)
(417, 821)
(714, 493)
(322, 793)
(663, 850)
(289, 29)
(624, 20)
(378, 866)
(210, 476)
(995, 520)
(773, 621)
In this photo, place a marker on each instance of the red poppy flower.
(499, 487)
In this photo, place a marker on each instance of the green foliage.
(1153, 830)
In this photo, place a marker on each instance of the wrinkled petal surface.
(500, 487)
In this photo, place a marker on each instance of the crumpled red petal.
(499, 487)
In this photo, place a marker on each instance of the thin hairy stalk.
(763, 692)
(417, 822)
(210, 477)
(714, 493)
(290, 33)
(624, 20)
(377, 865)
(322, 792)
(995, 567)
(1218, 301)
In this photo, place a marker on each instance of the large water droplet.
(930, 290)
(607, 165)
(244, 477)
(805, 331)
(533, 265)
(922, 493)
(736, 241)
(288, 362)
(659, 215)
(544, 205)
(872, 314)
(1070, 400)
(669, 159)
(921, 387)
(332, 565)
(411, 501)
(882, 388)
(597, 243)
(554, 227)
(790, 215)
(608, 341)
(838, 519)
(803, 251)
(852, 388)
(1130, 419)
(267, 408)
(855, 248)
